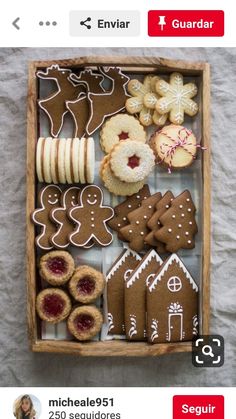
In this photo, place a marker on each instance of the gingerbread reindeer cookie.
(49, 198)
(55, 104)
(91, 218)
(69, 199)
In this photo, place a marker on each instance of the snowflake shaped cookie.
(136, 104)
(176, 98)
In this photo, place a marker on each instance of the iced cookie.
(121, 127)
(131, 161)
(85, 322)
(87, 284)
(49, 198)
(53, 305)
(176, 98)
(172, 304)
(174, 146)
(56, 267)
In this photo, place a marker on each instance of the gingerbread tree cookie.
(91, 218)
(136, 231)
(122, 210)
(49, 198)
(116, 277)
(69, 199)
(135, 295)
(154, 223)
(176, 98)
(179, 225)
(172, 304)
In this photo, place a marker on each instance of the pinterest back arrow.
(14, 23)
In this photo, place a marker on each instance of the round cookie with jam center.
(56, 267)
(53, 305)
(85, 322)
(87, 284)
(121, 127)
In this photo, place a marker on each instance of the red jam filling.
(57, 265)
(133, 161)
(86, 285)
(123, 136)
(83, 322)
(53, 305)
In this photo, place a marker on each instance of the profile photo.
(27, 406)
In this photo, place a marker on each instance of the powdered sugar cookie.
(176, 98)
(39, 154)
(120, 127)
(116, 186)
(61, 160)
(132, 161)
(75, 159)
(174, 146)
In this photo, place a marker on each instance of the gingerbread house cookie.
(172, 303)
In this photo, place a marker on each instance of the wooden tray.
(134, 65)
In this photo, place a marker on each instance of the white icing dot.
(73, 197)
(188, 199)
(138, 196)
(118, 225)
(92, 225)
(142, 233)
(130, 231)
(169, 230)
(145, 197)
(177, 237)
(149, 206)
(49, 196)
(189, 241)
(186, 233)
(167, 206)
(145, 217)
(171, 199)
(137, 222)
(182, 215)
(190, 222)
(55, 194)
(179, 225)
(92, 219)
(124, 218)
(158, 223)
(129, 206)
(89, 195)
(173, 216)
(181, 206)
(91, 212)
(95, 196)
(189, 209)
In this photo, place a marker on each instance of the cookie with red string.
(174, 147)
(131, 161)
(121, 127)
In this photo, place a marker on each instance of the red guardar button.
(186, 23)
(198, 407)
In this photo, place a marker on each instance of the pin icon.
(162, 22)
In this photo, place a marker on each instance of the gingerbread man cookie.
(49, 198)
(91, 218)
(69, 199)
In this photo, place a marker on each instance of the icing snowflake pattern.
(175, 308)
(133, 330)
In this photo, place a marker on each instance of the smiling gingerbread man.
(91, 217)
(49, 198)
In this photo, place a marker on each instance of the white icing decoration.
(169, 230)
(195, 325)
(177, 237)
(137, 222)
(182, 215)
(186, 233)
(190, 222)
(173, 258)
(174, 284)
(175, 310)
(152, 254)
(181, 206)
(110, 322)
(179, 225)
(173, 216)
(154, 327)
(120, 262)
(189, 210)
(133, 322)
(189, 241)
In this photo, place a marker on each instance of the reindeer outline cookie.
(59, 215)
(93, 210)
(49, 198)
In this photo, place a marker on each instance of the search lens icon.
(207, 351)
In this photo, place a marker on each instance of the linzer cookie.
(176, 98)
(56, 267)
(172, 304)
(53, 305)
(135, 295)
(136, 231)
(48, 198)
(121, 127)
(154, 223)
(91, 217)
(87, 284)
(68, 200)
(131, 161)
(178, 224)
(122, 210)
(55, 104)
(85, 322)
(175, 147)
(116, 277)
